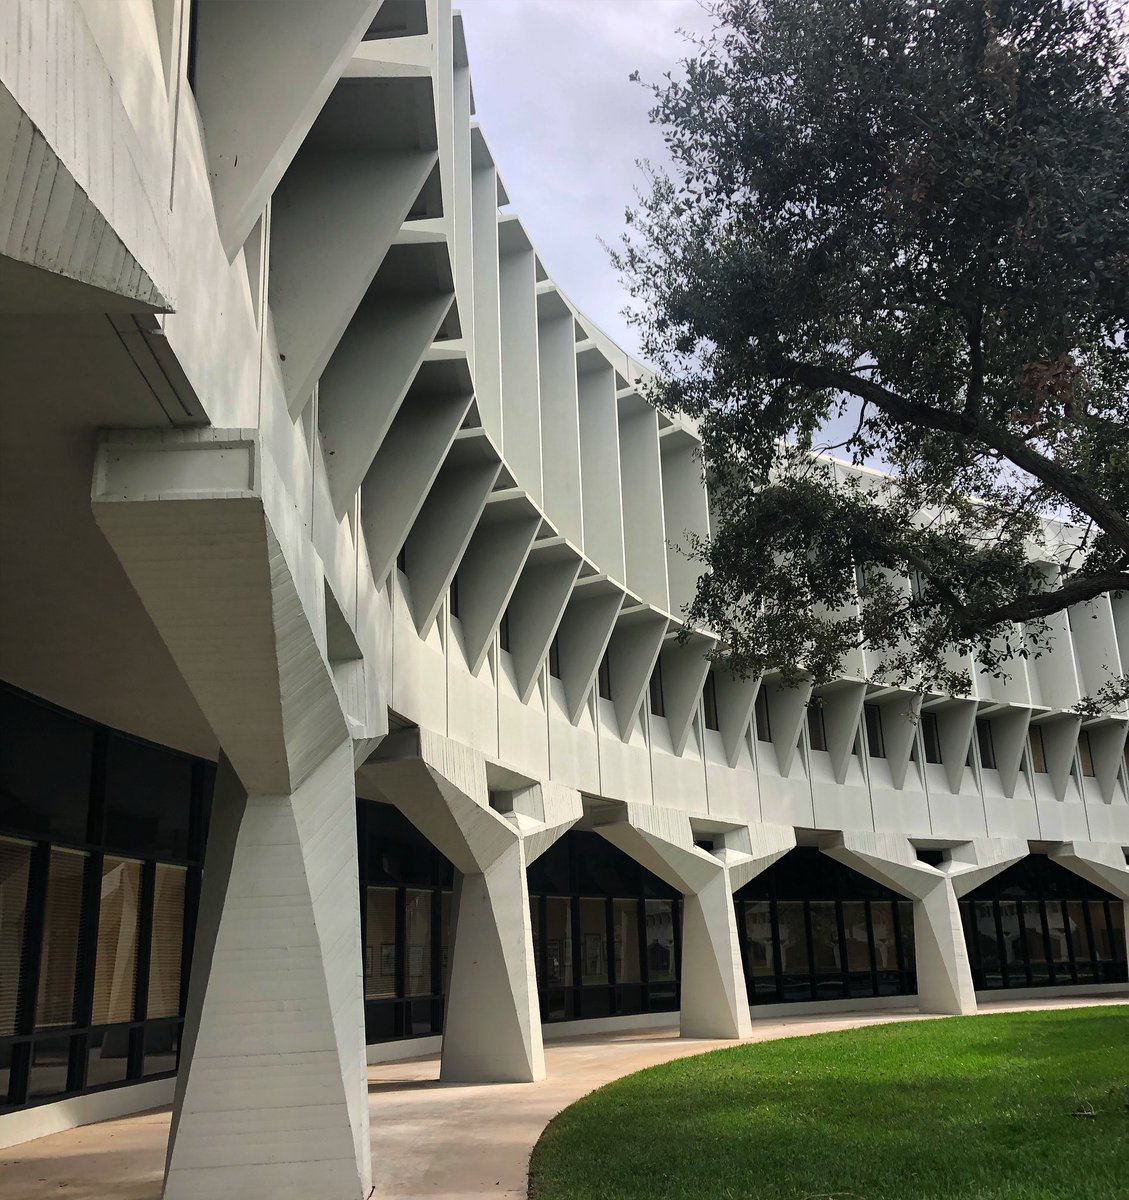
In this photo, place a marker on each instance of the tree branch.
(1043, 604)
(1015, 449)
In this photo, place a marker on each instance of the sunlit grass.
(971, 1108)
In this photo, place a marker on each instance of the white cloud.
(566, 126)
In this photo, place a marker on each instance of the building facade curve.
(343, 557)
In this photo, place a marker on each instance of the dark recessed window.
(933, 857)
(817, 730)
(148, 799)
(604, 678)
(1085, 753)
(985, 743)
(1038, 752)
(931, 737)
(655, 691)
(555, 657)
(875, 742)
(504, 632)
(760, 713)
(709, 703)
(454, 596)
(402, 559)
(45, 764)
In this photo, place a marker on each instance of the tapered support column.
(944, 977)
(272, 1097)
(493, 1025)
(492, 1032)
(715, 1002)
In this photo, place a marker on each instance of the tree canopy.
(907, 221)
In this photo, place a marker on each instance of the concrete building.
(341, 561)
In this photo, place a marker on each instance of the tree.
(908, 221)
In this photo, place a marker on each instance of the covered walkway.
(433, 1140)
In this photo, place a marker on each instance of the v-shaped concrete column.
(715, 1002)
(944, 977)
(492, 1032)
(272, 1096)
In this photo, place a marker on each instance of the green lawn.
(969, 1108)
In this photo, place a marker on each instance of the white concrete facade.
(336, 450)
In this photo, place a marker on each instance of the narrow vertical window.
(604, 678)
(115, 972)
(760, 712)
(817, 731)
(1038, 753)
(709, 703)
(875, 742)
(504, 632)
(1086, 753)
(166, 943)
(555, 657)
(985, 743)
(15, 867)
(655, 690)
(61, 922)
(931, 737)
(454, 595)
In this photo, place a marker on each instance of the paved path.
(430, 1141)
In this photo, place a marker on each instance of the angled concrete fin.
(735, 701)
(442, 532)
(488, 575)
(842, 709)
(787, 711)
(263, 72)
(1060, 741)
(684, 670)
(1009, 739)
(536, 607)
(955, 724)
(366, 380)
(1104, 865)
(332, 222)
(900, 719)
(405, 467)
(583, 636)
(632, 654)
(1107, 748)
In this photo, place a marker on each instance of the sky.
(566, 126)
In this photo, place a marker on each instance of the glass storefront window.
(50, 1068)
(380, 943)
(858, 938)
(625, 923)
(115, 974)
(62, 920)
(593, 941)
(758, 940)
(885, 935)
(659, 924)
(417, 933)
(15, 864)
(558, 942)
(794, 960)
(107, 1057)
(166, 942)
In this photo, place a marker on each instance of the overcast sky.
(566, 126)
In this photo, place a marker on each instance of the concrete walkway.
(433, 1141)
